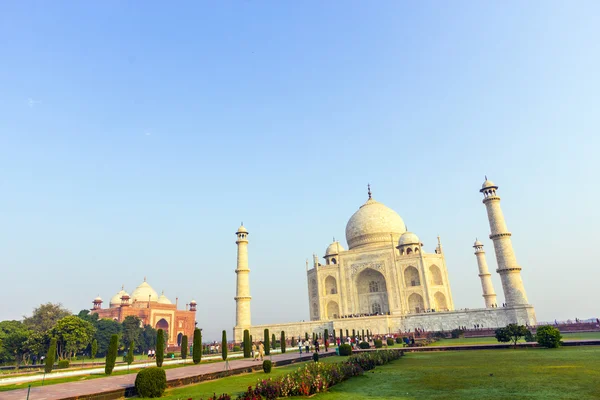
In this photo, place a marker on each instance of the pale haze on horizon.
(134, 140)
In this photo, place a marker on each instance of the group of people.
(363, 315)
(306, 345)
(151, 353)
(258, 351)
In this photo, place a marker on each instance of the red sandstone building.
(153, 310)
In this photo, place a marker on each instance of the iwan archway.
(372, 292)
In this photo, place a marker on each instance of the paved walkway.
(114, 383)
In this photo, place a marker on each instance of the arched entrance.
(415, 303)
(164, 325)
(372, 292)
(333, 310)
(179, 339)
(440, 302)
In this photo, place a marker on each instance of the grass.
(233, 384)
(492, 340)
(565, 373)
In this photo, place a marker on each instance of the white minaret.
(242, 298)
(509, 270)
(489, 295)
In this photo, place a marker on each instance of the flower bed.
(317, 377)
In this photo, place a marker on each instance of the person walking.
(261, 350)
(300, 345)
(254, 352)
(307, 346)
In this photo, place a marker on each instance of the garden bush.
(529, 337)
(316, 357)
(457, 333)
(390, 341)
(170, 355)
(267, 366)
(63, 364)
(151, 382)
(237, 348)
(548, 336)
(378, 343)
(345, 350)
(364, 345)
(399, 340)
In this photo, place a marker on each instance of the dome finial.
(369, 190)
(485, 177)
(123, 287)
(144, 279)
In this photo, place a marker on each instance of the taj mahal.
(386, 282)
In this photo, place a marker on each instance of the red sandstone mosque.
(156, 311)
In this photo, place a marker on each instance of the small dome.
(163, 299)
(116, 299)
(242, 229)
(372, 224)
(477, 243)
(143, 292)
(193, 302)
(408, 238)
(98, 299)
(334, 248)
(488, 184)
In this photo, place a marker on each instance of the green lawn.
(565, 373)
(491, 339)
(233, 384)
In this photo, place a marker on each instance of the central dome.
(144, 292)
(372, 224)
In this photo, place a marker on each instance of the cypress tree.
(184, 347)
(273, 341)
(341, 337)
(129, 357)
(347, 333)
(94, 349)
(50, 357)
(353, 335)
(334, 338)
(111, 354)
(326, 341)
(294, 341)
(197, 350)
(160, 348)
(267, 343)
(247, 344)
(313, 337)
(224, 345)
(282, 342)
(363, 335)
(306, 336)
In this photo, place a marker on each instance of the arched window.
(411, 277)
(333, 261)
(409, 251)
(330, 285)
(373, 287)
(376, 308)
(436, 275)
(313, 287)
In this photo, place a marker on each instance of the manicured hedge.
(378, 343)
(267, 366)
(345, 350)
(151, 382)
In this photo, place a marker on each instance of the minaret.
(489, 295)
(242, 298)
(509, 270)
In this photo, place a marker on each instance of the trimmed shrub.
(457, 333)
(378, 343)
(548, 336)
(282, 342)
(364, 345)
(529, 337)
(170, 355)
(294, 341)
(390, 341)
(316, 357)
(184, 347)
(345, 350)
(399, 340)
(267, 366)
(94, 349)
(63, 364)
(237, 348)
(151, 382)
(267, 343)
(50, 357)
(197, 346)
(246, 344)
(129, 356)
(160, 347)
(224, 345)
(111, 354)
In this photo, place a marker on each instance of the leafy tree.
(548, 336)
(247, 345)
(282, 341)
(267, 343)
(529, 337)
(105, 329)
(129, 357)
(45, 317)
(511, 333)
(94, 349)
(160, 347)
(131, 330)
(87, 316)
(111, 354)
(184, 347)
(73, 334)
(14, 344)
(197, 346)
(50, 357)
(148, 338)
(224, 345)
(37, 343)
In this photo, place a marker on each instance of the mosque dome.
(372, 224)
(163, 299)
(408, 238)
(242, 229)
(116, 299)
(488, 184)
(477, 243)
(142, 292)
(333, 249)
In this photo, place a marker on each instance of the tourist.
(300, 345)
(307, 346)
(316, 345)
(261, 350)
(254, 353)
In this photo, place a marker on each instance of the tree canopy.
(72, 335)
(45, 317)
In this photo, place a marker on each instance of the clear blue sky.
(134, 138)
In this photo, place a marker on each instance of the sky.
(136, 137)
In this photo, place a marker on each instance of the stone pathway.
(73, 390)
